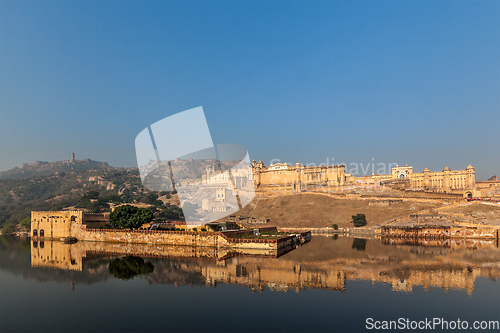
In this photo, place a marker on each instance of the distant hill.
(40, 168)
(78, 184)
(48, 189)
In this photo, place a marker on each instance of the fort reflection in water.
(324, 263)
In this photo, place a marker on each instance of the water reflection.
(129, 267)
(324, 263)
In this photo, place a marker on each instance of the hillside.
(315, 211)
(62, 189)
(40, 168)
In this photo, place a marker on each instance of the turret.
(471, 177)
(446, 179)
(427, 178)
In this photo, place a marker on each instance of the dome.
(427, 170)
(446, 169)
(470, 167)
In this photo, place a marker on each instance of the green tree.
(359, 220)
(129, 217)
(150, 198)
(26, 223)
(173, 212)
(128, 267)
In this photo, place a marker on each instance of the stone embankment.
(190, 238)
(440, 232)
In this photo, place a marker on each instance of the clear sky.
(410, 82)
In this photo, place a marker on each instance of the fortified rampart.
(57, 225)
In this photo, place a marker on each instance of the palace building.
(297, 177)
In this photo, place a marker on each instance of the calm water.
(330, 284)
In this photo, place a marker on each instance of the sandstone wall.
(444, 232)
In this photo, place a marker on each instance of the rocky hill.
(40, 168)
(60, 189)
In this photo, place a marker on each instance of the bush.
(194, 229)
(359, 220)
(177, 229)
(203, 229)
(335, 226)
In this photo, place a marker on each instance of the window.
(42, 233)
(35, 233)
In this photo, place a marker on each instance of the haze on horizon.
(413, 82)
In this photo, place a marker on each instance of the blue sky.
(414, 82)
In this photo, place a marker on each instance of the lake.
(331, 284)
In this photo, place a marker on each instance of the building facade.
(61, 224)
(297, 177)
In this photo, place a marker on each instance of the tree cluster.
(359, 220)
(130, 217)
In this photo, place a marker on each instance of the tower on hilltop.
(72, 157)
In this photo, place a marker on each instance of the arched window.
(35, 233)
(42, 245)
(42, 233)
(35, 244)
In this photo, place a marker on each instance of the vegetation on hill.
(90, 190)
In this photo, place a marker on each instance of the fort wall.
(440, 232)
(283, 178)
(57, 225)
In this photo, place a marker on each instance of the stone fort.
(297, 177)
